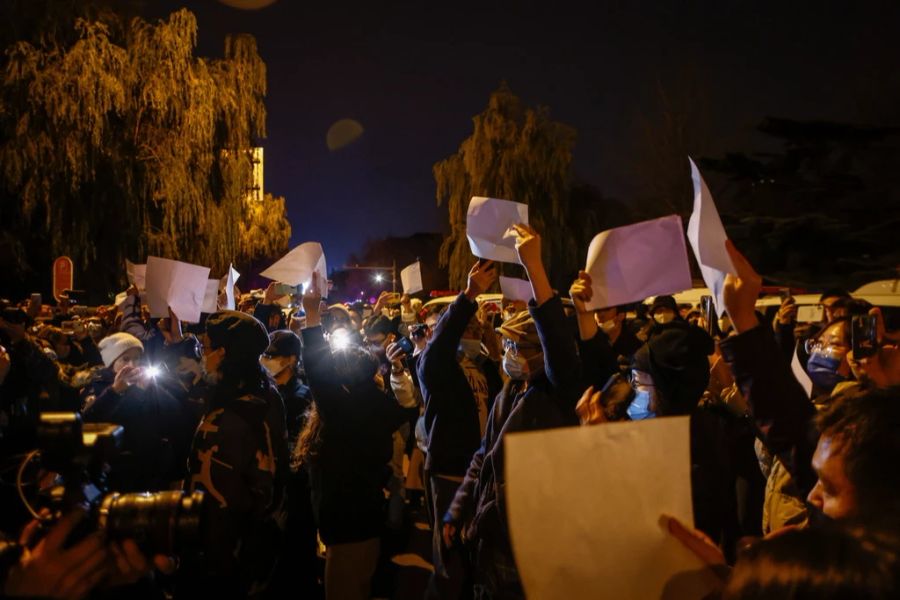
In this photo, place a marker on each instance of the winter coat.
(451, 411)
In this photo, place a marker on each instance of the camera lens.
(161, 523)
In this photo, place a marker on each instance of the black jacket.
(548, 402)
(157, 432)
(297, 398)
(348, 468)
(451, 413)
(783, 413)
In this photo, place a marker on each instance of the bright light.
(379, 278)
(152, 371)
(340, 339)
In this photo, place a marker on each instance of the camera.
(169, 522)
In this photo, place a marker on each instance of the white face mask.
(609, 326)
(471, 348)
(515, 366)
(210, 378)
(275, 365)
(664, 317)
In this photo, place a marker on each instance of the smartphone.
(283, 289)
(864, 333)
(36, 299)
(708, 309)
(810, 314)
(407, 345)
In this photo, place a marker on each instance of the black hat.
(16, 316)
(239, 333)
(664, 302)
(379, 324)
(676, 356)
(284, 342)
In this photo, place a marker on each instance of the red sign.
(62, 276)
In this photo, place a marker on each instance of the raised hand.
(528, 246)
(312, 300)
(482, 276)
(741, 291)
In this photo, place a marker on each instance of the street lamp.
(379, 277)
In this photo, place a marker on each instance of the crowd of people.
(312, 431)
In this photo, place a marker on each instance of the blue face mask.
(822, 369)
(639, 408)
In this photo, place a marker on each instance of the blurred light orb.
(248, 4)
(343, 133)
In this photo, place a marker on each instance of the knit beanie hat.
(242, 335)
(113, 346)
(676, 356)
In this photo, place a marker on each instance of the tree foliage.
(116, 142)
(514, 153)
(823, 212)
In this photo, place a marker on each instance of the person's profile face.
(834, 495)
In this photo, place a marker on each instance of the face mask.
(515, 366)
(275, 365)
(210, 378)
(639, 408)
(822, 369)
(471, 348)
(664, 317)
(608, 326)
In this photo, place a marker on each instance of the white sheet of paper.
(489, 224)
(585, 506)
(707, 237)
(411, 278)
(632, 263)
(801, 375)
(211, 297)
(297, 266)
(177, 284)
(516, 289)
(227, 283)
(120, 298)
(137, 274)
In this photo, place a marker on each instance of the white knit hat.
(115, 345)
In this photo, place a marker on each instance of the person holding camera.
(346, 446)
(128, 393)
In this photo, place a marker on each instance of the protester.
(239, 459)
(458, 386)
(544, 384)
(346, 446)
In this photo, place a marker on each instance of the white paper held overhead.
(489, 229)
(297, 266)
(631, 263)
(516, 289)
(707, 237)
(180, 285)
(211, 297)
(592, 529)
(227, 284)
(411, 278)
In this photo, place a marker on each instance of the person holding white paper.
(545, 380)
(459, 384)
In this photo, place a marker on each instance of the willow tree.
(118, 142)
(514, 153)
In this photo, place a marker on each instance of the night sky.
(414, 73)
